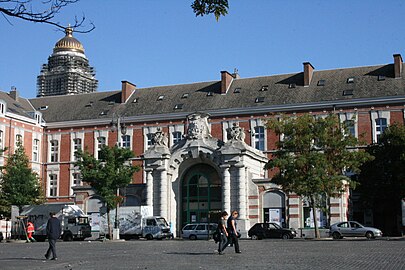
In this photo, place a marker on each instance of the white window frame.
(98, 134)
(126, 143)
(147, 136)
(257, 123)
(172, 130)
(75, 176)
(374, 116)
(343, 117)
(35, 150)
(53, 151)
(53, 184)
(73, 146)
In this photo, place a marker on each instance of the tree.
(312, 157)
(382, 181)
(205, 7)
(40, 12)
(107, 174)
(19, 184)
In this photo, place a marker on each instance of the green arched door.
(201, 195)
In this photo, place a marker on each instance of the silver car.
(196, 231)
(353, 229)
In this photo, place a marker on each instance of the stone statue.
(160, 138)
(236, 133)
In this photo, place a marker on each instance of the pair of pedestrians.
(228, 232)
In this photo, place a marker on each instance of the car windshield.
(83, 220)
(162, 222)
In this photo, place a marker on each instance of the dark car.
(270, 230)
(1, 236)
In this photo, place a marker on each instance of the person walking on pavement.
(53, 231)
(233, 232)
(223, 242)
(30, 231)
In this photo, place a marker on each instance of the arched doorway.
(201, 195)
(274, 207)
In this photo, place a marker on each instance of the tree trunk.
(109, 224)
(317, 235)
(328, 212)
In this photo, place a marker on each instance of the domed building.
(68, 71)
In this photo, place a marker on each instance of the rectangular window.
(54, 151)
(126, 141)
(35, 148)
(176, 137)
(150, 139)
(380, 125)
(18, 140)
(101, 141)
(77, 145)
(1, 139)
(259, 138)
(77, 180)
(53, 185)
(350, 126)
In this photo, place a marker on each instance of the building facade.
(201, 146)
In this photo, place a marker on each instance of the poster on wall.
(95, 222)
(403, 211)
(275, 216)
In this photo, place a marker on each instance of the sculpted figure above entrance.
(198, 127)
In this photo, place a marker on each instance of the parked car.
(270, 230)
(196, 231)
(352, 228)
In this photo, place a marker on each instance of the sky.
(161, 42)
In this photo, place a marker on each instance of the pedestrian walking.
(30, 231)
(223, 242)
(232, 230)
(53, 231)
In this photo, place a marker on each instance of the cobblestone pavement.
(179, 254)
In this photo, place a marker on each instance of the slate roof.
(206, 97)
(21, 107)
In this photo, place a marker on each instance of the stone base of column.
(243, 227)
(116, 234)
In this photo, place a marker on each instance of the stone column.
(241, 191)
(149, 190)
(163, 193)
(226, 189)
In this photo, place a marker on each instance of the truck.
(75, 224)
(135, 222)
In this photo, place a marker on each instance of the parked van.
(196, 231)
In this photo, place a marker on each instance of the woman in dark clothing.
(223, 242)
(232, 229)
(53, 231)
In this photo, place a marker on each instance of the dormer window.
(43, 108)
(321, 83)
(264, 88)
(104, 113)
(111, 103)
(161, 97)
(185, 95)
(237, 90)
(350, 80)
(3, 107)
(348, 92)
(210, 94)
(381, 78)
(259, 99)
(135, 100)
(178, 106)
(90, 104)
(291, 85)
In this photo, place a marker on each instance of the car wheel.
(149, 237)
(254, 237)
(286, 236)
(336, 235)
(192, 237)
(369, 235)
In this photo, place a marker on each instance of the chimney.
(127, 89)
(226, 80)
(14, 93)
(308, 71)
(397, 65)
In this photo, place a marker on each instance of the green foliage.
(313, 155)
(108, 173)
(383, 179)
(19, 184)
(204, 7)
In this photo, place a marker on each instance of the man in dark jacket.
(53, 230)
